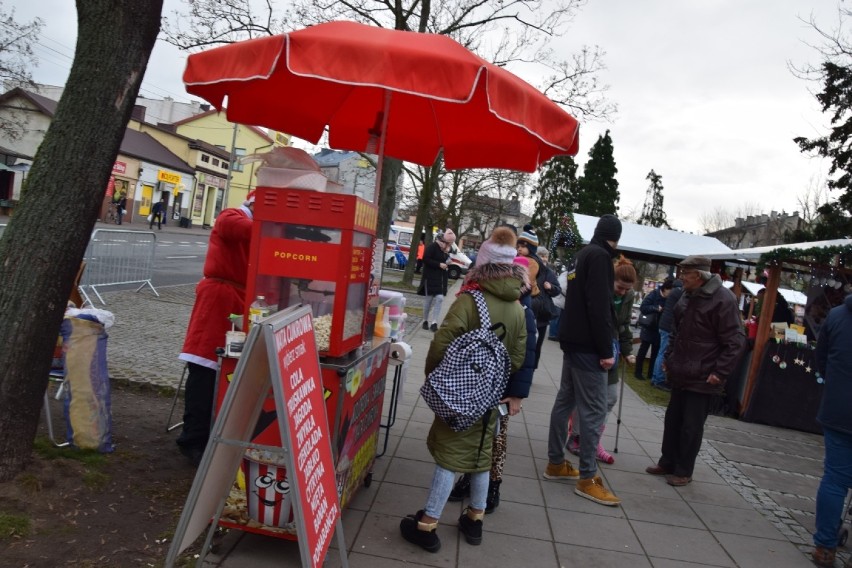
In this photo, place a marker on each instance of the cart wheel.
(843, 536)
(215, 543)
(368, 480)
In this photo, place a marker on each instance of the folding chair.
(56, 376)
(175, 400)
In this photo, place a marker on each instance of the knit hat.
(530, 240)
(522, 260)
(608, 228)
(448, 236)
(499, 248)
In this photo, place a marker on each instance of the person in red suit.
(220, 293)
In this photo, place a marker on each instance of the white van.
(400, 241)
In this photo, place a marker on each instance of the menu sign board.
(307, 435)
(280, 352)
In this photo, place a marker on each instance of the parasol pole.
(382, 132)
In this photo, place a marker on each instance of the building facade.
(765, 229)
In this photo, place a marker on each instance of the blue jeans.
(836, 481)
(553, 329)
(658, 377)
(442, 485)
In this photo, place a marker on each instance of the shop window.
(238, 153)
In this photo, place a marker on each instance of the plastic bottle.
(258, 310)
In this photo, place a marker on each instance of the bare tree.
(716, 220)
(16, 60)
(115, 39)
(814, 196)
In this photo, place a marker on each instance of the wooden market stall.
(782, 385)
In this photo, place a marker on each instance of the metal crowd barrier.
(116, 257)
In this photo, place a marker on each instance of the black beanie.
(608, 228)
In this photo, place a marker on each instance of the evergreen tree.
(598, 188)
(835, 98)
(556, 194)
(652, 210)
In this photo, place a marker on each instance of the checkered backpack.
(472, 376)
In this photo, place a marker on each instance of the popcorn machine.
(316, 248)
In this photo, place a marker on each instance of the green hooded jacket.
(500, 284)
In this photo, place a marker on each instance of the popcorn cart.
(314, 248)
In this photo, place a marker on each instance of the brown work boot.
(563, 470)
(824, 556)
(594, 490)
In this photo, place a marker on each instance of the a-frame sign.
(279, 353)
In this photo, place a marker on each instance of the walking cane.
(620, 402)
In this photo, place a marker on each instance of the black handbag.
(543, 308)
(651, 320)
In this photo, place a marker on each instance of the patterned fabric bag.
(472, 376)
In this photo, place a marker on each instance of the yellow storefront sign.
(168, 177)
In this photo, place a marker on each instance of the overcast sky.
(704, 92)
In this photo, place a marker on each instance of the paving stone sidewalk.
(774, 471)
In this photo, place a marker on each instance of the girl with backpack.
(469, 451)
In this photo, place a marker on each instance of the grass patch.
(644, 389)
(95, 479)
(14, 526)
(399, 285)
(45, 448)
(29, 483)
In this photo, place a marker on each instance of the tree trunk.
(391, 169)
(427, 193)
(42, 247)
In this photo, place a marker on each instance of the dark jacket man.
(588, 299)
(707, 338)
(705, 344)
(834, 361)
(667, 317)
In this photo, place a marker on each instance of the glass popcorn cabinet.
(315, 248)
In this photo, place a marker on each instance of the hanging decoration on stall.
(813, 255)
(567, 239)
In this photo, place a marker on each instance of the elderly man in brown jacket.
(704, 347)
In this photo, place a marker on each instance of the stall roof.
(654, 244)
(752, 255)
(792, 296)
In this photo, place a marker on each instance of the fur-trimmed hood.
(503, 280)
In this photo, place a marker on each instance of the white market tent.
(654, 244)
(792, 296)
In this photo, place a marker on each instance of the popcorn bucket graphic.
(267, 493)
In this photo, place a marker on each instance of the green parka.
(500, 284)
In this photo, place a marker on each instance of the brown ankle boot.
(824, 556)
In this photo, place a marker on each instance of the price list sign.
(300, 383)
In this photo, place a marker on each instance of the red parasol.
(426, 92)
